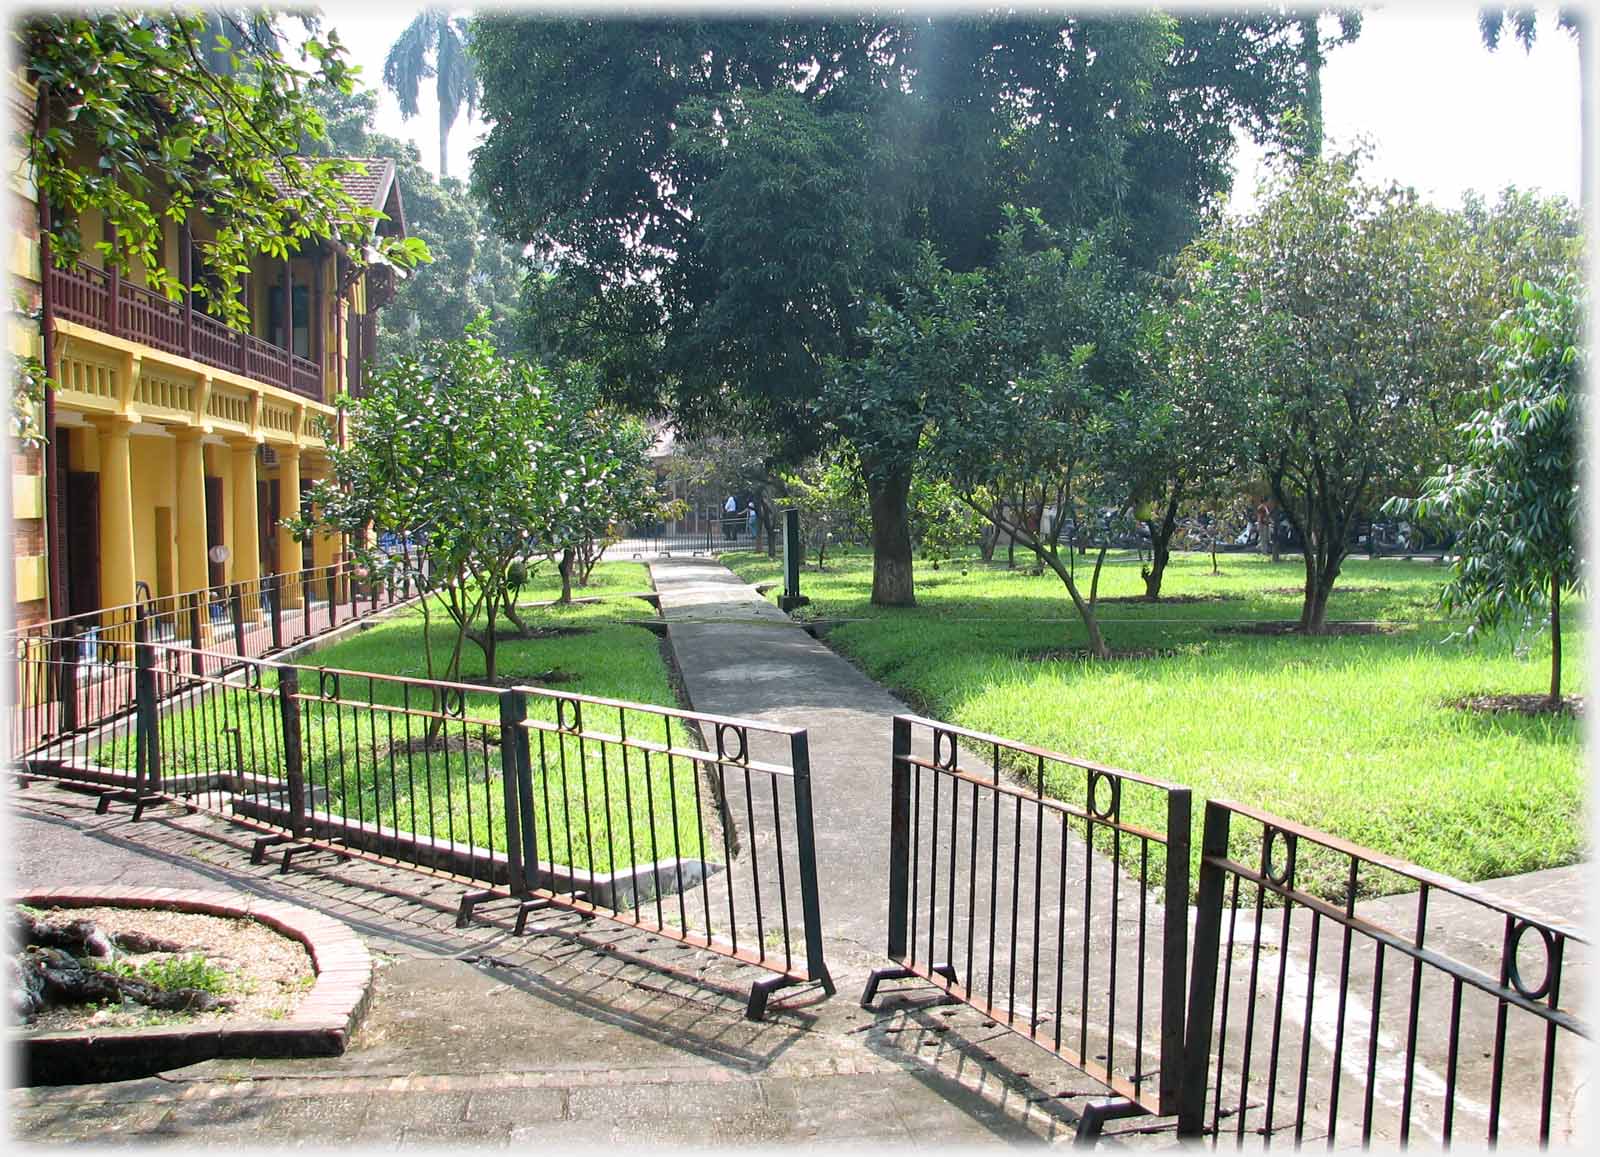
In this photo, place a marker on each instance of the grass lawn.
(1351, 734)
(379, 766)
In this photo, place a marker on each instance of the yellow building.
(174, 434)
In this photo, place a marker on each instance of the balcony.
(84, 295)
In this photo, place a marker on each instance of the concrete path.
(740, 655)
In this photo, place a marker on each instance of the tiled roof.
(370, 182)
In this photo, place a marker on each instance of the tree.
(171, 134)
(454, 452)
(832, 502)
(737, 193)
(1515, 494)
(1027, 365)
(433, 33)
(1337, 304)
(472, 270)
(742, 462)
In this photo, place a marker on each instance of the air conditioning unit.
(269, 456)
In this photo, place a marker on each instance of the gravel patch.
(268, 973)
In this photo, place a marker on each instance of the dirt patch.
(1079, 654)
(512, 635)
(1535, 704)
(1299, 592)
(451, 742)
(548, 678)
(1287, 627)
(267, 973)
(1171, 600)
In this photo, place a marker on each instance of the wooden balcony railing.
(84, 295)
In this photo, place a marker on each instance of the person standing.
(750, 522)
(1264, 527)
(730, 525)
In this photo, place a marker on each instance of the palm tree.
(408, 65)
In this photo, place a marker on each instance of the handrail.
(150, 317)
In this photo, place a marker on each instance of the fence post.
(513, 765)
(293, 759)
(333, 602)
(68, 647)
(1203, 975)
(236, 606)
(197, 661)
(275, 588)
(899, 836)
(147, 719)
(1174, 948)
(805, 838)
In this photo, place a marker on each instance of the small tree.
(455, 451)
(1516, 494)
(831, 498)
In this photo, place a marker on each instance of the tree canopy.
(736, 193)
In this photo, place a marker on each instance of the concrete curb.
(319, 1026)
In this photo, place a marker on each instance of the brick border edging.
(320, 1025)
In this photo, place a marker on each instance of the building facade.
(178, 444)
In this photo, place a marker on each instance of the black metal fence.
(1338, 991)
(600, 806)
(1063, 921)
(705, 531)
(77, 673)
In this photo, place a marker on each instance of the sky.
(1440, 112)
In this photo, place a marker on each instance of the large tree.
(433, 46)
(1353, 316)
(737, 192)
(472, 272)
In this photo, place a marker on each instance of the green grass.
(192, 971)
(378, 766)
(1353, 734)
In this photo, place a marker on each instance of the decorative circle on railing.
(1113, 803)
(454, 702)
(944, 749)
(1517, 929)
(726, 754)
(328, 684)
(252, 676)
(1281, 875)
(566, 707)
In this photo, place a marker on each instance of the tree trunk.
(1160, 549)
(1555, 641)
(444, 147)
(566, 574)
(1311, 61)
(892, 583)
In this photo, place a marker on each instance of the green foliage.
(1351, 316)
(1515, 495)
(136, 119)
(832, 502)
(471, 271)
(729, 196)
(173, 972)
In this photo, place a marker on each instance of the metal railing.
(1410, 1014)
(599, 806)
(75, 673)
(1064, 922)
(709, 531)
(84, 295)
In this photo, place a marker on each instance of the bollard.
(794, 552)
